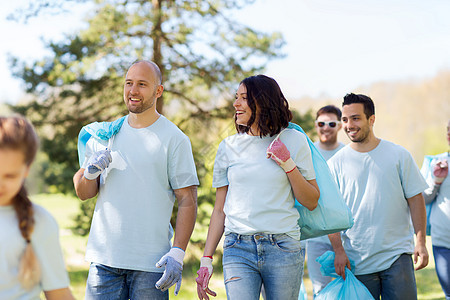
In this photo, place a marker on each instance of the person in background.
(328, 124)
(257, 174)
(137, 176)
(439, 192)
(31, 259)
(382, 186)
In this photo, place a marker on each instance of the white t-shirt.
(131, 223)
(260, 197)
(45, 243)
(375, 186)
(327, 154)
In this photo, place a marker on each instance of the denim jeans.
(396, 282)
(314, 249)
(442, 262)
(251, 260)
(107, 283)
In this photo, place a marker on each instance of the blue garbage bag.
(302, 295)
(99, 130)
(331, 214)
(340, 289)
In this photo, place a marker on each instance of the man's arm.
(340, 259)
(419, 219)
(187, 213)
(85, 189)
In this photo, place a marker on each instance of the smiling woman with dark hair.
(265, 100)
(258, 172)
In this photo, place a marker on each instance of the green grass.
(64, 208)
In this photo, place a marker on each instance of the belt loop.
(238, 238)
(271, 238)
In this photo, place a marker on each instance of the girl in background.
(31, 259)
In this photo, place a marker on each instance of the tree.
(202, 52)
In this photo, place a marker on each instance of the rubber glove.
(280, 154)
(98, 162)
(173, 261)
(204, 274)
(440, 171)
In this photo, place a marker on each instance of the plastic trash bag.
(302, 295)
(331, 214)
(99, 130)
(340, 289)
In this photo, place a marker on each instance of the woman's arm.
(217, 222)
(305, 191)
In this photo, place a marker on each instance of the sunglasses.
(331, 124)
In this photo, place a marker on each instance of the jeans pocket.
(230, 240)
(287, 244)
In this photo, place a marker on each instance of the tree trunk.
(157, 38)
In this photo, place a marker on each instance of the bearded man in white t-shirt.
(382, 186)
(138, 174)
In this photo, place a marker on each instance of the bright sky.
(332, 47)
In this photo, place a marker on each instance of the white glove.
(98, 162)
(173, 261)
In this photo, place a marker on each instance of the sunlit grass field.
(64, 208)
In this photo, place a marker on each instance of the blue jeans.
(107, 283)
(396, 282)
(251, 260)
(442, 262)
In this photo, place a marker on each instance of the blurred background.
(62, 64)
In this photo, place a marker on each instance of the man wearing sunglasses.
(328, 124)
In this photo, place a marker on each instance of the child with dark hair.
(257, 174)
(31, 260)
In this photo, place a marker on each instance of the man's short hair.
(369, 107)
(330, 109)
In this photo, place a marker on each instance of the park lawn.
(64, 208)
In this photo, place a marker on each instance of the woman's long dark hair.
(17, 134)
(265, 99)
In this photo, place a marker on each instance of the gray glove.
(98, 162)
(173, 261)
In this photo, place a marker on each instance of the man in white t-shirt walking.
(137, 176)
(382, 186)
(328, 124)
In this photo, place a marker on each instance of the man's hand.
(420, 256)
(98, 162)
(281, 155)
(173, 261)
(440, 171)
(204, 274)
(340, 262)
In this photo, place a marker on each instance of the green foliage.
(83, 219)
(306, 121)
